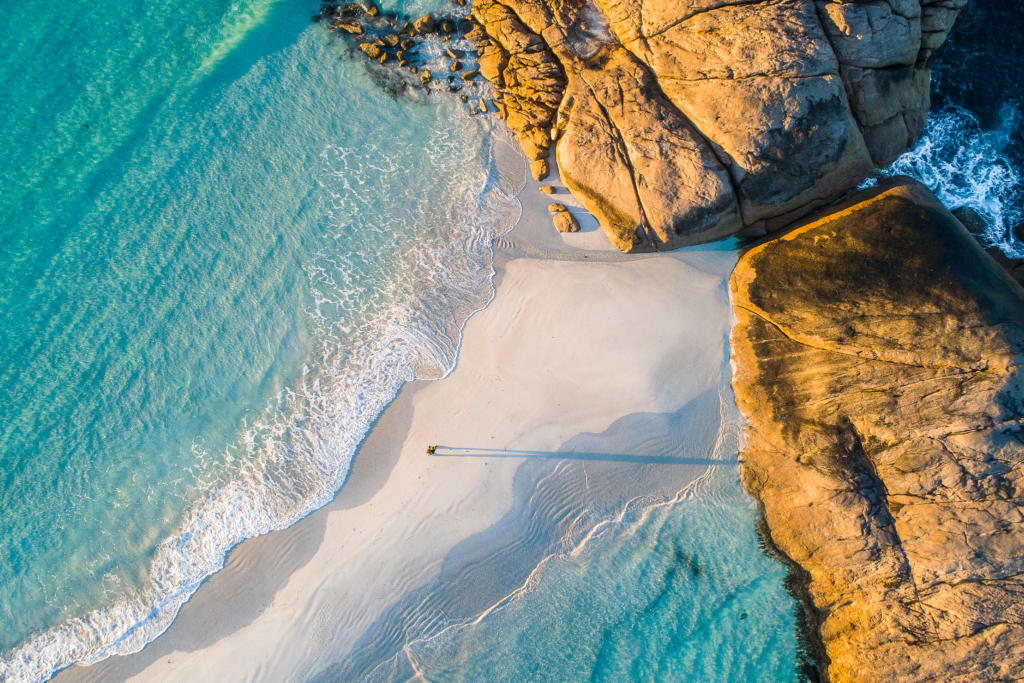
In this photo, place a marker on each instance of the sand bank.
(592, 379)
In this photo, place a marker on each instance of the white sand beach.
(577, 338)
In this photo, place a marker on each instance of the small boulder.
(540, 169)
(424, 25)
(425, 76)
(446, 26)
(383, 57)
(408, 44)
(350, 27)
(470, 75)
(371, 9)
(456, 66)
(557, 208)
(566, 222)
(547, 189)
(391, 40)
(372, 51)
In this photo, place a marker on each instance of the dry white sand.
(577, 337)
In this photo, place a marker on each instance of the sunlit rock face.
(878, 358)
(684, 121)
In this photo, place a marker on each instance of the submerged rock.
(878, 357)
(372, 51)
(351, 27)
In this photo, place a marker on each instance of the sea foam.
(294, 457)
(967, 166)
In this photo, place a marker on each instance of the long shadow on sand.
(455, 451)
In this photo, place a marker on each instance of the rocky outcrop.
(761, 82)
(878, 359)
(623, 149)
(682, 121)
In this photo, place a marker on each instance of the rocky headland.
(681, 122)
(878, 347)
(878, 356)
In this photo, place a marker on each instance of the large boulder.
(637, 164)
(765, 111)
(878, 360)
(762, 82)
(624, 149)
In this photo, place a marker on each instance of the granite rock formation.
(684, 121)
(878, 359)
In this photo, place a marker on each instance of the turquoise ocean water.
(223, 249)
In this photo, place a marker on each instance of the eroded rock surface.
(878, 359)
(683, 121)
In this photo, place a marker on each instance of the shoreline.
(272, 588)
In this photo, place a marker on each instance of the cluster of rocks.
(978, 226)
(563, 219)
(879, 361)
(680, 122)
(396, 40)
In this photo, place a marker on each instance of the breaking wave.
(381, 318)
(966, 166)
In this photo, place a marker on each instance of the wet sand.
(567, 402)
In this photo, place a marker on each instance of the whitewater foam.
(967, 166)
(294, 457)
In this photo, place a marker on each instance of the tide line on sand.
(568, 347)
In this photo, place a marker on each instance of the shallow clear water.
(677, 591)
(224, 247)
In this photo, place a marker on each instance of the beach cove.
(512, 340)
(592, 434)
